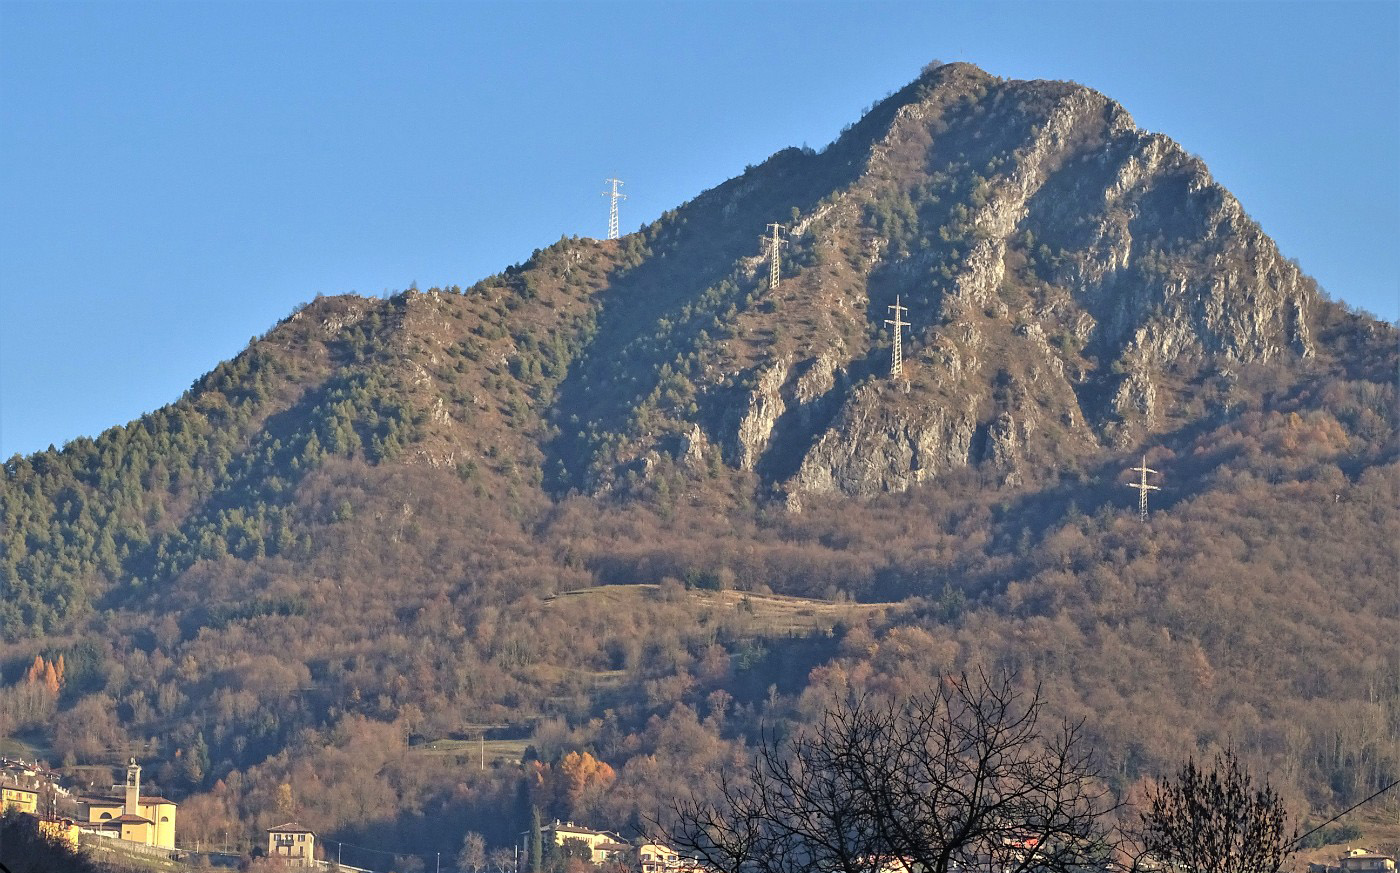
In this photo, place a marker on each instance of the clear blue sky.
(176, 177)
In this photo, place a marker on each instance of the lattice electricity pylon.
(615, 196)
(1142, 487)
(898, 323)
(774, 244)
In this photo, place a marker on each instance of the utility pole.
(1142, 487)
(615, 196)
(773, 245)
(898, 323)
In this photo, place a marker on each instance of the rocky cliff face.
(1070, 278)
(1075, 291)
(1072, 282)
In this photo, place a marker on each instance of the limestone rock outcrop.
(1068, 278)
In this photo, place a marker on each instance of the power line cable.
(343, 844)
(1359, 803)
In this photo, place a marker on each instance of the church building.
(137, 819)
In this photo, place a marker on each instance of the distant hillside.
(359, 536)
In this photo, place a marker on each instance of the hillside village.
(131, 825)
(138, 822)
(125, 822)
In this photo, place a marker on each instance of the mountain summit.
(1076, 290)
(1072, 282)
(362, 527)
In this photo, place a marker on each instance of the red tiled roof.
(291, 827)
(120, 801)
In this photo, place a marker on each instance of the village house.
(292, 842)
(18, 797)
(134, 818)
(16, 770)
(656, 858)
(891, 865)
(59, 830)
(604, 845)
(660, 858)
(31, 789)
(31, 776)
(1366, 861)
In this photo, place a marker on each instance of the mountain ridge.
(972, 278)
(782, 394)
(354, 531)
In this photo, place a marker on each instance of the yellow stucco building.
(294, 843)
(17, 797)
(605, 845)
(60, 830)
(148, 820)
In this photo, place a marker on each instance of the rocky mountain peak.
(1074, 286)
(1072, 280)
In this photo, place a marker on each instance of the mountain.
(632, 499)
(1070, 281)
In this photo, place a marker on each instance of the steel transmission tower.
(1142, 487)
(898, 323)
(615, 196)
(773, 245)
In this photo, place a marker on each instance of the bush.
(1342, 833)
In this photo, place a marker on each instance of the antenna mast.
(615, 196)
(773, 245)
(1142, 487)
(898, 323)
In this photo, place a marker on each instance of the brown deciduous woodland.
(415, 567)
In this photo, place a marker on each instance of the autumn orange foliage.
(46, 673)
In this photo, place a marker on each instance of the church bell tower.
(133, 788)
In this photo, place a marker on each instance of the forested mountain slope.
(352, 537)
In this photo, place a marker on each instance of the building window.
(105, 816)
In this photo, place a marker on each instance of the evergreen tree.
(536, 841)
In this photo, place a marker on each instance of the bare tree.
(473, 853)
(961, 777)
(1217, 821)
(792, 811)
(503, 860)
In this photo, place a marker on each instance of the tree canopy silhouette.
(965, 775)
(1217, 821)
